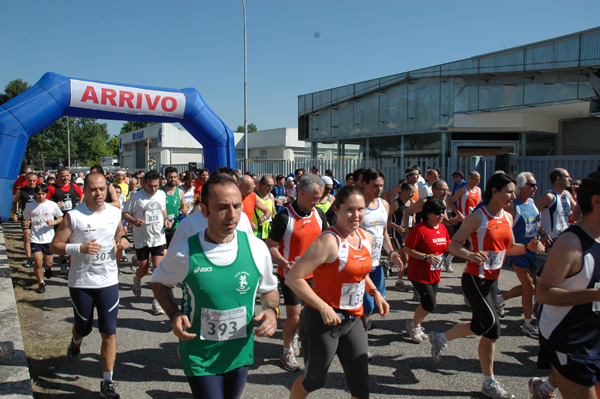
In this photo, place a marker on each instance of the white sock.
(444, 339)
(499, 300)
(288, 350)
(107, 375)
(527, 322)
(547, 387)
(488, 378)
(449, 258)
(77, 342)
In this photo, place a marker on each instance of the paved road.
(147, 364)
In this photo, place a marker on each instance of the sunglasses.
(438, 213)
(531, 184)
(328, 188)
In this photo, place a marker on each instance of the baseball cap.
(327, 180)
(290, 178)
(79, 180)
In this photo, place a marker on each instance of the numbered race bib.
(102, 256)
(223, 325)
(122, 199)
(352, 295)
(171, 218)
(438, 266)
(377, 243)
(67, 205)
(153, 216)
(495, 260)
(39, 221)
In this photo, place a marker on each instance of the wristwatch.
(425, 257)
(274, 309)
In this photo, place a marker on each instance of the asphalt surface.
(147, 365)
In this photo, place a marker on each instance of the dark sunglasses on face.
(328, 188)
(438, 213)
(531, 184)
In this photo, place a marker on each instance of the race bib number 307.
(223, 325)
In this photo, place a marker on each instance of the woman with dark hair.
(425, 247)
(489, 230)
(331, 323)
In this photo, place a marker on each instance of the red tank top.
(341, 283)
(493, 236)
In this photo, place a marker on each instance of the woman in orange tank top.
(330, 324)
(489, 230)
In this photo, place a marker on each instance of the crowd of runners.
(211, 240)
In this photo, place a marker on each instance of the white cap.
(79, 180)
(289, 179)
(327, 180)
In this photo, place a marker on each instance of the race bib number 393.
(223, 325)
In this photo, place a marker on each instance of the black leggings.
(481, 294)
(221, 386)
(320, 343)
(428, 294)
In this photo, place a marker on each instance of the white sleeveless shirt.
(375, 222)
(99, 270)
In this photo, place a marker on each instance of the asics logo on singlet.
(358, 258)
(202, 269)
(89, 229)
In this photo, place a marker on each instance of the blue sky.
(294, 47)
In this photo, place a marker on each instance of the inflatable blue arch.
(54, 96)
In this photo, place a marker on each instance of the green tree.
(131, 126)
(113, 146)
(13, 89)
(251, 128)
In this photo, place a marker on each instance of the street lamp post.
(245, 97)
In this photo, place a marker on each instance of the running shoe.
(437, 346)
(500, 308)
(531, 330)
(156, 308)
(288, 361)
(41, 288)
(73, 352)
(63, 268)
(48, 272)
(414, 331)
(137, 287)
(134, 264)
(29, 263)
(400, 286)
(448, 266)
(422, 332)
(369, 356)
(124, 259)
(387, 268)
(535, 388)
(296, 345)
(107, 390)
(370, 326)
(495, 391)
(416, 296)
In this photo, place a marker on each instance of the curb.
(15, 381)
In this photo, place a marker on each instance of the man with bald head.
(555, 205)
(251, 201)
(92, 230)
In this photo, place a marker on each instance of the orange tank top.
(341, 283)
(300, 232)
(493, 236)
(249, 204)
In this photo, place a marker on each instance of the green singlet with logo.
(173, 203)
(219, 301)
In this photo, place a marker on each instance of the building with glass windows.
(537, 99)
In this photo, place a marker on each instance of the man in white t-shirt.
(146, 211)
(92, 230)
(41, 215)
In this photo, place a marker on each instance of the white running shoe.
(156, 308)
(414, 331)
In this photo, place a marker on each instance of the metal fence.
(578, 166)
